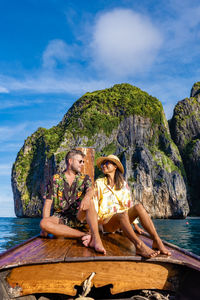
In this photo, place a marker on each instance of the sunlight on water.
(183, 233)
(14, 231)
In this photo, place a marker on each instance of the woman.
(115, 209)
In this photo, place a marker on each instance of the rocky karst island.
(161, 159)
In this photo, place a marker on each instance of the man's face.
(76, 163)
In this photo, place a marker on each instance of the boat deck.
(39, 250)
(48, 265)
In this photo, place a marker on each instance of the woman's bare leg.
(121, 220)
(139, 211)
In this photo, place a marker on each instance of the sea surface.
(183, 233)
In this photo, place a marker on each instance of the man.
(71, 194)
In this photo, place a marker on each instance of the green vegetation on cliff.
(196, 87)
(31, 158)
(105, 109)
(186, 115)
(43, 139)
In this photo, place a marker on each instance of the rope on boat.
(87, 284)
(144, 294)
(152, 295)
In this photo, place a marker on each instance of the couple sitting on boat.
(108, 206)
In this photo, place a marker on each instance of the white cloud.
(56, 52)
(15, 103)
(45, 82)
(8, 133)
(3, 90)
(124, 42)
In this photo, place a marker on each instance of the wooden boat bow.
(49, 265)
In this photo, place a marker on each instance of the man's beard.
(74, 169)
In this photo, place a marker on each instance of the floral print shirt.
(67, 198)
(109, 201)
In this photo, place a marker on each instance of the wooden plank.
(118, 247)
(80, 253)
(42, 250)
(62, 277)
(37, 251)
(115, 245)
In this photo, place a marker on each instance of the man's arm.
(85, 203)
(47, 208)
(46, 214)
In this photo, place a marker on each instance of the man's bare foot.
(89, 241)
(158, 245)
(145, 251)
(86, 239)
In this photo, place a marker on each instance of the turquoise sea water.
(183, 233)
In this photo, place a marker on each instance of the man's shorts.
(71, 221)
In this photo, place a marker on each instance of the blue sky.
(53, 51)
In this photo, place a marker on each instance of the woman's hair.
(118, 179)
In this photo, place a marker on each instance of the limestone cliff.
(122, 120)
(185, 130)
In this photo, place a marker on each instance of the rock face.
(122, 120)
(185, 130)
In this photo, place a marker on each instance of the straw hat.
(112, 158)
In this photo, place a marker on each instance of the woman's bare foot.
(145, 251)
(89, 241)
(158, 245)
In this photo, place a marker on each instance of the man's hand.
(85, 203)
